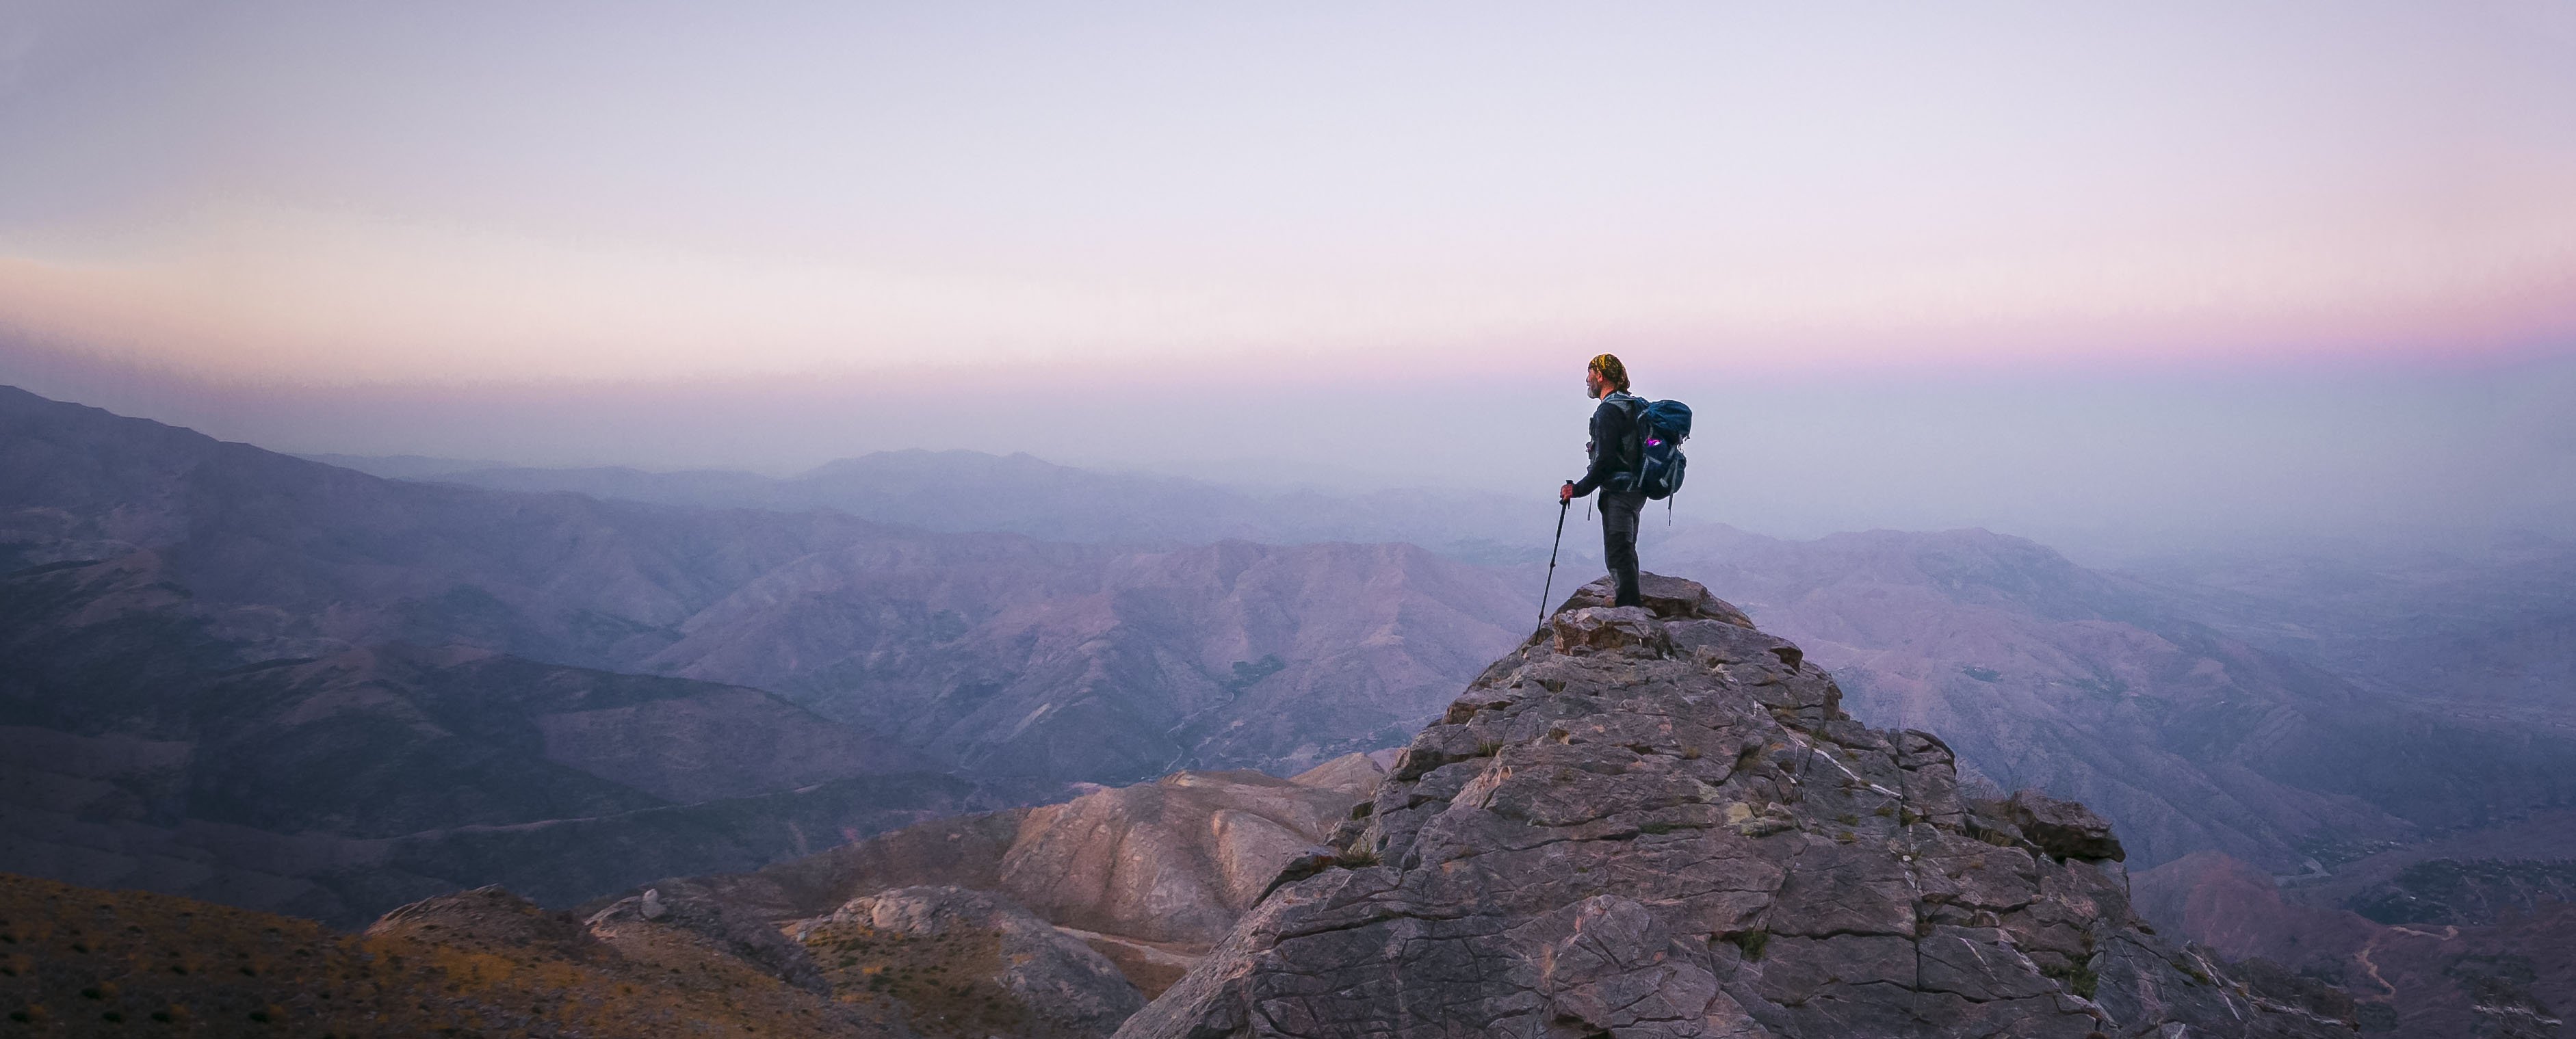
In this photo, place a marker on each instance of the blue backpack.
(1661, 428)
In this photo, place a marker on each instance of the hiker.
(1616, 456)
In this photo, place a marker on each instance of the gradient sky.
(742, 210)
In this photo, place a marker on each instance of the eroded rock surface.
(1657, 821)
(1176, 860)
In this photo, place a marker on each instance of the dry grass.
(942, 983)
(78, 962)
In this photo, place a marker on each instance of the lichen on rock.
(1658, 821)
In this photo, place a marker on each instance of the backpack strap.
(1635, 448)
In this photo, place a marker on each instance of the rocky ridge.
(1658, 821)
(1151, 875)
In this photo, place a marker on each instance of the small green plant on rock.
(2079, 978)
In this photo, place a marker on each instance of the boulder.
(2065, 829)
(1603, 629)
(1670, 598)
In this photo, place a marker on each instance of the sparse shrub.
(2079, 978)
(1750, 942)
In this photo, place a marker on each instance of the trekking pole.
(1561, 507)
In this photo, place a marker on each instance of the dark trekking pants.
(1619, 541)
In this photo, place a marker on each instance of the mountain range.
(1645, 821)
(295, 686)
(2163, 700)
(281, 684)
(962, 491)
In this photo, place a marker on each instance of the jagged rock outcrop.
(1657, 821)
(2062, 828)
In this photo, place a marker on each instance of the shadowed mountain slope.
(2513, 975)
(146, 748)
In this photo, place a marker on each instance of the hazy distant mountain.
(2482, 629)
(1082, 662)
(403, 467)
(2043, 673)
(203, 634)
(972, 491)
(956, 642)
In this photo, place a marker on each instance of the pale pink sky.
(488, 192)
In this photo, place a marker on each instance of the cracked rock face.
(1657, 821)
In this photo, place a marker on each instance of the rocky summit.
(1658, 821)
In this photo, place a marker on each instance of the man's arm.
(1609, 429)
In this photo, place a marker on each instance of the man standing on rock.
(1616, 457)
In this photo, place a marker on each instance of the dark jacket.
(1615, 452)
